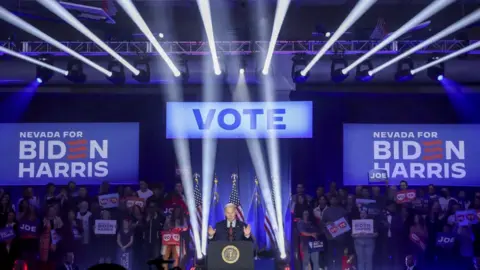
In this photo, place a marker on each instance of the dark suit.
(64, 267)
(222, 231)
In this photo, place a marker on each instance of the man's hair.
(229, 205)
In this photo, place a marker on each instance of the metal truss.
(350, 47)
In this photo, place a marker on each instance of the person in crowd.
(332, 190)
(50, 238)
(104, 188)
(29, 196)
(138, 230)
(158, 196)
(320, 210)
(127, 192)
(299, 206)
(342, 196)
(174, 225)
(9, 249)
(476, 203)
(391, 192)
(50, 197)
(144, 192)
(435, 222)
(154, 224)
(364, 246)
(351, 204)
(309, 234)
(6, 207)
(72, 233)
(85, 221)
(465, 244)
(319, 193)
(418, 235)
(410, 263)
(453, 208)
(445, 199)
(125, 242)
(301, 192)
(463, 201)
(432, 193)
(106, 243)
(358, 191)
(28, 230)
(68, 262)
(390, 237)
(72, 189)
(403, 185)
(338, 244)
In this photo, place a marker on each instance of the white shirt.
(145, 195)
(444, 202)
(231, 224)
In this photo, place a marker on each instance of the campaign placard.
(132, 201)
(105, 226)
(109, 200)
(421, 154)
(28, 229)
(362, 226)
(338, 227)
(89, 153)
(405, 196)
(377, 176)
(6, 234)
(445, 240)
(316, 246)
(465, 217)
(288, 119)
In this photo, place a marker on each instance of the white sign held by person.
(105, 226)
(362, 226)
(108, 200)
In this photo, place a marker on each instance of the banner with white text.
(444, 155)
(88, 153)
(230, 120)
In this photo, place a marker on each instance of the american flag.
(198, 198)
(268, 223)
(234, 198)
(380, 31)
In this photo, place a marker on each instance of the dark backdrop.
(319, 160)
(157, 157)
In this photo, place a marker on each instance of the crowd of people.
(69, 227)
(405, 234)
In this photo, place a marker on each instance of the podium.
(236, 255)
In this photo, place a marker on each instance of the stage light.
(362, 71)
(133, 13)
(61, 12)
(299, 62)
(16, 21)
(118, 72)
(328, 34)
(360, 8)
(161, 36)
(39, 80)
(427, 12)
(336, 67)
(143, 66)
(404, 70)
(43, 73)
(436, 72)
(205, 13)
(440, 78)
(280, 12)
(184, 70)
(242, 71)
(33, 60)
(75, 71)
(465, 21)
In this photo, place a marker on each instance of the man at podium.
(230, 229)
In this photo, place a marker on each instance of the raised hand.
(211, 231)
(247, 230)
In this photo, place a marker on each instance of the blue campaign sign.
(377, 175)
(445, 240)
(239, 119)
(88, 153)
(444, 155)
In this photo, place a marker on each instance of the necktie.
(230, 232)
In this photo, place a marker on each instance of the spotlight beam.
(61, 12)
(360, 8)
(33, 61)
(205, 12)
(447, 57)
(280, 12)
(465, 21)
(133, 13)
(429, 11)
(16, 21)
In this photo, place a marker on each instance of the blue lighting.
(440, 77)
(39, 80)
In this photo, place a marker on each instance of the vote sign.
(405, 196)
(338, 227)
(377, 176)
(466, 217)
(170, 238)
(28, 230)
(134, 201)
(108, 200)
(292, 119)
(362, 226)
(445, 240)
(6, 234)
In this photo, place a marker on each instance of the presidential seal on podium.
(230, 254)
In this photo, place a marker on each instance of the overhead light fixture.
(44, 74)
(143, 65)
(243, 65)
(436, 72)
(75, 71)
(299, 62)
(16, 21)
(362, 71)
(465, 21)
(336, 67)
(427, 12)
(360, 8)
(118, 72)
(184, 70)
(206, 14)
(404, 70)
